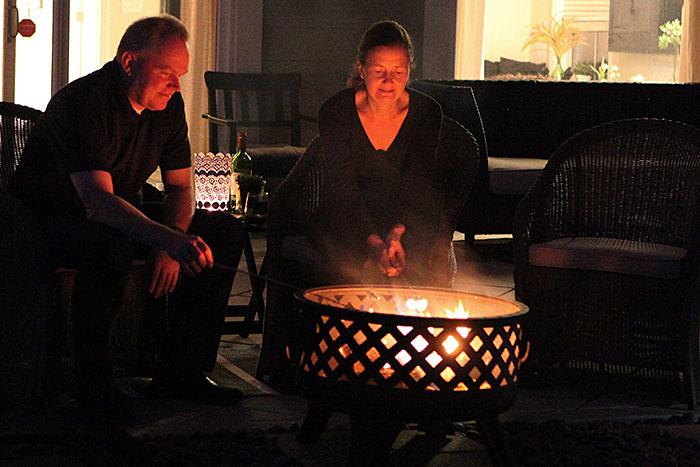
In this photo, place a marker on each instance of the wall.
(439, 39)
(319, 39)
(117, 15)
(239, 36)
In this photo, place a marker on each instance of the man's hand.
(191, 252)
(166, 272)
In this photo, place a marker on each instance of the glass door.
(33, 54)
(71, 40)
(29, 53)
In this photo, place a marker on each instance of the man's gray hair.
(148, 34)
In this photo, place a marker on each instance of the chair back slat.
(254, 101)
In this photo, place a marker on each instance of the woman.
(380, 141)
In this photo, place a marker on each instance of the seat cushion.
(274, 161)
(609, 255)
(513, 175)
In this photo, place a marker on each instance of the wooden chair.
(289, 260)
(266, 105)
(605, 256)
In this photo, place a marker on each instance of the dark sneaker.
(198, 389)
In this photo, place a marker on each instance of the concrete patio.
(487, 272)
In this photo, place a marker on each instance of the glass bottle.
(241, 164)
(256, 206)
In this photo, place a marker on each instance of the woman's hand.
(396, 255)
(388, 255)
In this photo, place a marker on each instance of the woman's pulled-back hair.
(382, 33)
(148, 34)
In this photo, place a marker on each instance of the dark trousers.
(103, 256)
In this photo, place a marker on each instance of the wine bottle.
(241, 164)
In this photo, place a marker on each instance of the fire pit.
(412, 354)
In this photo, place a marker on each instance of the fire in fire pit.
(412, 354)
(417, 338)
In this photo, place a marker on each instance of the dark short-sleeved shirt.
(91, 125)
(372, 189)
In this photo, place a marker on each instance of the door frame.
(8, 50)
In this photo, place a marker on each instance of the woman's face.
(385, 72)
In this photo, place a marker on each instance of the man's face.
(156, 75)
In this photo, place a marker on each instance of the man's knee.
(222, 232)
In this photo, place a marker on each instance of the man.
(82, 171)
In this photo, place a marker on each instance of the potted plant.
(671, 37)
(582, 71)
(560, 35)
(605, 71)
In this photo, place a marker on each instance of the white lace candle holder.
(212, 181)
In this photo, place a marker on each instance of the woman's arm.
(335, 121)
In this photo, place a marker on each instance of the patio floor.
(486, 270)
(489, 271)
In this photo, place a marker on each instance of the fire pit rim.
(442, 321)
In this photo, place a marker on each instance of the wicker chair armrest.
(693, 245)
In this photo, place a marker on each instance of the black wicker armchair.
(605, 257)
(24, 273)
(16, 124)
(292, 264)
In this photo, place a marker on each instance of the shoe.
(197, 389)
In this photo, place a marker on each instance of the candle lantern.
(212, 181)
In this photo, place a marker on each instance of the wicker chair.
(16, 123)
(35, 298)
(290, 260)
(605, 257)
(24, 274)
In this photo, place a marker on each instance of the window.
(624, 34)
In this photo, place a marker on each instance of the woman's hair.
(382, 33)
(148, 34)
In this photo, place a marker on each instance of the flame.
(458, 312)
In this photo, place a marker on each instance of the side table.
(256, 304)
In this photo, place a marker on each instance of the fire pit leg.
(371, 440)
(495, 441)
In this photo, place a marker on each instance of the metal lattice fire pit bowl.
(414, 354)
